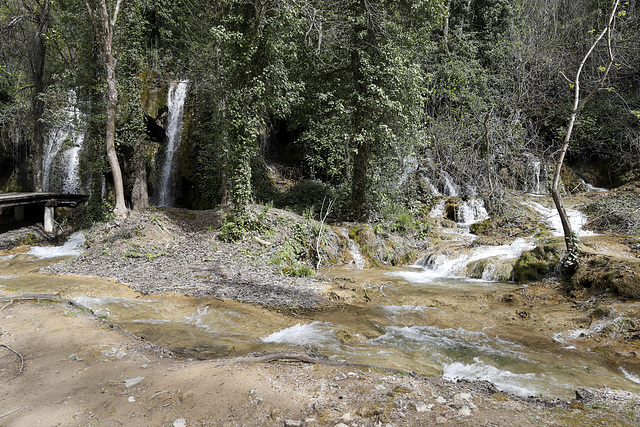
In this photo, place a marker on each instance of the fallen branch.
(11, 412)
(18, 354)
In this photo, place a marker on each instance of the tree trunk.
(38, 56)
(120, 208)
(140, 193)
(104, 33)
(570, 239)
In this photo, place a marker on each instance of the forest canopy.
(374, 104)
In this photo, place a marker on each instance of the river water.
(416, 319)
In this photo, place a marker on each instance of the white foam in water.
(443, 266)
(313, 333)
(550, 216)
(479, 370)
(630, 376)
(73, 246)
(471, 211)
(457, 340)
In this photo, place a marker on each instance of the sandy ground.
(80, 371)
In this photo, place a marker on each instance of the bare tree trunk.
(38, 55)
(571, 240)
(445, 28)
(104, 33)
(140, 194)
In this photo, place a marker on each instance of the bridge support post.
(49, 213)
(18, 213)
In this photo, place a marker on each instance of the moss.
(600, 312)
(601, 273)
(476, 269)
(363, 235)
(482, 227)
(536, 264)
(29, 239)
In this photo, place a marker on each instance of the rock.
(441, 420)
(132, 399)
(465, 411)
(346, 417)
(421, 407)
(340, 377)
(292, 423)
(341, 425)
(132, 381)
(441, 400)
(180, 422)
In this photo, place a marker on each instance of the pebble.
(441, 400)
(292, 423)
(132, 381)
(423, 407)
(441, 420)
(132, 399)
(465, 411)
(180, 422)
(341, 377)
(346, 417)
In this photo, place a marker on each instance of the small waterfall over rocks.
(357, 260)
(176, 97)
(61, 157)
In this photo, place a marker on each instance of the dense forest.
(374, 105)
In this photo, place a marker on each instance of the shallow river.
(405, 326)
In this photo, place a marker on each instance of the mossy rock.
(601, 273)
(536, 264)
(482, 227)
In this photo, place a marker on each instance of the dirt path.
(78, 371)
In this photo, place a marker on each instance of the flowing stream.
(413, 324)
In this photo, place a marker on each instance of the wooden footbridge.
(48, 200)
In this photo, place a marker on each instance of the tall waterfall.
(62, 151)
(175, 102)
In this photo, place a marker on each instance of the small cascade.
(409, 167)
(551, 217)
(448, 265)
(591, 188)
(470, 211)
(449, 186)
(357, 260)
(61, 159)
(536, 176)
(428, 184)
(176, 97)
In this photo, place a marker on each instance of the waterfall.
(61, 157)
(175, 102)
(536, 172)
(470, 211)
(450, 187)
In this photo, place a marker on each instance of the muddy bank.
(79, 370)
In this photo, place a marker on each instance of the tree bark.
(140, 194)
(104, 33)
(42, 20)
(570, 239)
